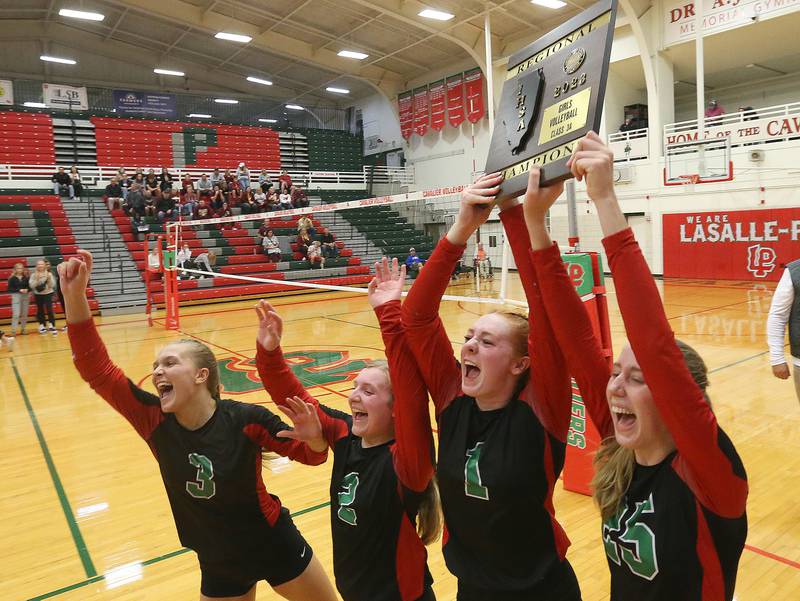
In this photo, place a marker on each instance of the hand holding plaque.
(552, 96)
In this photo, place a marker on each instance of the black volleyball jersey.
(496, 469)
(375, 492)
(212, 475)
(681, 528)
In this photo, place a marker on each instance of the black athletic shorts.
(283, 558)
(559, 585)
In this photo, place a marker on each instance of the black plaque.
(552, 96)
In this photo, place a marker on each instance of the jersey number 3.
(346, 498)
(203, 487)
(473, 487)
(629, 540)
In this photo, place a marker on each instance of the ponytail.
(429, 514)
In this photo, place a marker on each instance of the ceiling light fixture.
(55, 59)
(264, 82)
(81, 14)
(233, 37)
(226, 101)
(35, 105)
(268, 120)
(338, 90)
(169, 72)
(549, 3)
(353, 54)
(295, 107)
(199, 115)
(439, 15)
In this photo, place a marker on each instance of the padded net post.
(170, 267)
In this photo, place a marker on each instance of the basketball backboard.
(698, 162)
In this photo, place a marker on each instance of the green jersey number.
(346, 498)
(204, 486)
(473, 487)
(631, 541)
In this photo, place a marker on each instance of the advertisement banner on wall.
(58, 96)
(127, 102)
(731, 245)
(718, 16)
(437, 99)
(406, 109)
(422, 114)
(455, 99)
(473, 89)
(6, 92)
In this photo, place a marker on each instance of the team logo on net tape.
(761, 260)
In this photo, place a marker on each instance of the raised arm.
(706, 461)
(425, 332)
(413, 449)
(140, 408)
(268, 431)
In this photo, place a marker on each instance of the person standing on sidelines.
(785, 312)
(669, 483)
(209, 454)
(19, 289)
(384, 503)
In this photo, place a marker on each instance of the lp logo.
(760, 260)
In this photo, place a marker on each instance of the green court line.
(80, 544)
(151, 561)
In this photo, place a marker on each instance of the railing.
(630, 145)
(99, 176)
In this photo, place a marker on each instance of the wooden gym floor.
(84, 516)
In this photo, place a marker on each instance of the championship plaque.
(552, 96)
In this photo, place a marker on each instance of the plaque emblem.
(574, 60)
(525, 101)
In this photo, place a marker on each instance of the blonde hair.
(429, 512)
(203, 357)
(614, 463)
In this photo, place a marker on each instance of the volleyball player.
(381, 483)
(209, 454)
(503, 414)
(669, 483)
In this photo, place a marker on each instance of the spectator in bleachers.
(203, 211)
(329, 248)
(225, 211)
(303, 242)
(124, 181)
(249, 204)
(165, 181)
(315, 255)
(299, 197)
(217, 199)
(206, 260)
(165, 205)
(285, 200)
(260, 198)
(152, 186)
(43, 285)
(304, 223)
(186, 180)
(114, 194)
(714, 113)
(271, 246)
(216, 178)
(262, 231)
(413, 263)
(273, 202)
(748, 113)
(184, 259)
(204, 186)
(153, 260)
(77, 184)
(264, 181)
(135, 203)
(243, 176)
(285, 181)
(62, 183)
(20, 292)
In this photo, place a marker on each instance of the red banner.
(455, 100)
(437, 105)
(406, 110)
(731, 245)
(473, 88)
(421, 112)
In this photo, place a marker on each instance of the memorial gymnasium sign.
(731, 245)
(718, 16)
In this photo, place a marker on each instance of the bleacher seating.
(26, 139)
(33, 226)
(334, 150)
(239, 252)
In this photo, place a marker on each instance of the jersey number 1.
(473, 487)
(204, 486)
(346, 498)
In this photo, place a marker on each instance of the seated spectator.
(262, 231)
(206, 260)
(303, 243)
(203, 211)
(165, 205)
(184, 259)
(225, 211)
(285, 181)
(113, 194)
(260, 198)
(216, 199)
(299, 197)
(273, 203)
(305, 223)
(285, 200)
(186, 180)
(135, 202)
(243, 176)
(413, 263)
(315, 255)
(271, 246)
(204, 186)
(138, 177)
(264, 181)
(152, 186)
(154, 260)
(77, 185)
(329, 248)
(216, 178)
(249, 204)
(165, 181)
(62, 183)
(748, 113)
